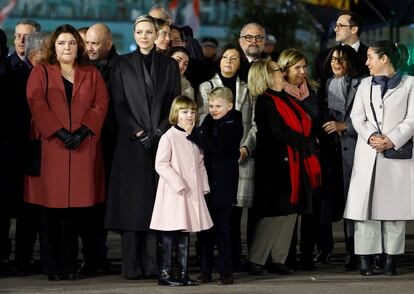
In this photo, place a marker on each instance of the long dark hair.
(392, 51)
(81, 56)
(354, 67)
(223, 50)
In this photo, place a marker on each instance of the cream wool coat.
(245, 104)
(179, 203)
(391, 196)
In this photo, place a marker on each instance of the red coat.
(68, 178)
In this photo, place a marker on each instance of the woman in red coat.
(68, 101)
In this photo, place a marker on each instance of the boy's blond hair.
(179, 103)
(221, 92)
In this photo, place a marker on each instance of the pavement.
(328, 278)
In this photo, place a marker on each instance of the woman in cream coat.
(227, 75)
(380, 197)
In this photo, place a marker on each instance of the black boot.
(366, 266)
(389, 266)
(165, 278)
(350, 257)
(182, 246)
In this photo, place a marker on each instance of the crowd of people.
(178, 137)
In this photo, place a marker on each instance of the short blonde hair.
(221, 92)
(288, 58)
(260, 76)
(179, 103)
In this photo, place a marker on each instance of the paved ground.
(327, 279)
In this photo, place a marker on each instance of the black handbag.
(33, 154)
(405, 151)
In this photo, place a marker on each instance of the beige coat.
(245, 104)
(381, 188)
(179, 203)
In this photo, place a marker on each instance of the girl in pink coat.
(179, 206)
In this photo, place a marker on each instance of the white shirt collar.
(355, 45)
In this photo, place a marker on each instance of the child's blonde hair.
(179, 103)
(221, 92)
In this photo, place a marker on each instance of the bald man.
(101, 52)
(160, 12)
(98, 41)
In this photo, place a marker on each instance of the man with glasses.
(16, 135)
(348, 29)
(252, 42)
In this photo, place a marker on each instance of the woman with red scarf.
(287, 169)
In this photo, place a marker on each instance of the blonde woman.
(285, 164)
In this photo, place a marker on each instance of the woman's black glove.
(77, 137)
(64, 135)
(148, 141)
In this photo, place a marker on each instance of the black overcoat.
(272, 179)
(133, 179)
(220, 141)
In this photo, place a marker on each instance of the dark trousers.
(93, 236)
(235, 236)
(314, 233)
(139, 258)
(59, 242)
(5, 243)
(219, 234)
(27, 228)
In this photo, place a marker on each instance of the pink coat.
(179, 203)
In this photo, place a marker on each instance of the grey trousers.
(375, 237)
(139, 254)
(272, 236)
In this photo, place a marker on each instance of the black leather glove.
(145, 140)
(64, 135)
(148, 141)
(77, 138)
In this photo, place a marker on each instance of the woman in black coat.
(143, 85)
(286, 168)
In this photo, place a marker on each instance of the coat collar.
(241, 90)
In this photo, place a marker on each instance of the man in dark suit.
(348, 29)
(17, 70)
(101, 52)
(252, 42)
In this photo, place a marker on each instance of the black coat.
(109, 128)
(272, 179)
(133, 178)
(220, 140)
(15, 130)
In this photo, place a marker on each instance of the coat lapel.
(78, 79)
(240, 94)
(351, 94)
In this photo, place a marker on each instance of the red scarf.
(301, 125)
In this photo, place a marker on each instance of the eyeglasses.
(338, 59)
(249, 38)
(340, 26)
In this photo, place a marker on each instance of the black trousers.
(59, 242)
(235, 236)
(93, 236)
(139, 258)
(28, 224)
(5, 243)
(219, 234)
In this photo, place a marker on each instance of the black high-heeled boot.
(165, 277)
(389, 266)
(350, 257)
(182, 255)
(366, 266)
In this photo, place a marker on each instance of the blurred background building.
(304, 24)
